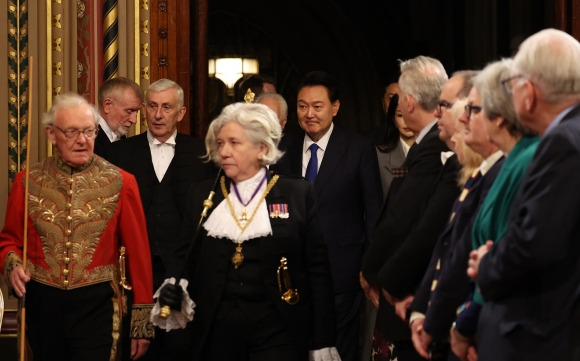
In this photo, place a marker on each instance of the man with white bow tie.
(164, 163)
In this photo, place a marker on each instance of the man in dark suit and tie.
(417, 207)
(530, 279)
(164, 162)
(120, 100)
(344, 169)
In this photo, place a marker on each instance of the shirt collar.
(558, 119)
(152, 140)
(425, 130)
(105, 127)
(405, 146)
(445, 156)
(322, 142)
(490, 161)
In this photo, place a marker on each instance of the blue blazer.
(531, 278)
(452, 250)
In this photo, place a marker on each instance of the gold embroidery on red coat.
(70, 219)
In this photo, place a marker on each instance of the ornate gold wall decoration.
(17, 85)
(142, 52)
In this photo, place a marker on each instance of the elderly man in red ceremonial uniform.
(81, 211)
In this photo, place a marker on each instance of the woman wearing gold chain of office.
(262, 283)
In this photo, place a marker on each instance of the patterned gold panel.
(142, 53)
(17, 85)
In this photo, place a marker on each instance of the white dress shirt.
(322, 145)
(161, 153)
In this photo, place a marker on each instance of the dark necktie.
(312, 167)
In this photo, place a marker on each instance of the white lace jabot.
(221, 224)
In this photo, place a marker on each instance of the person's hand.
(472, 354)
(401, 306)
(371, 292)
(138, 347)
(459, 344)
(18, 279)
(390, 299)
(171, 295)
(418, 334)
(475, 258)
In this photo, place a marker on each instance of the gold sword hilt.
(290, 295)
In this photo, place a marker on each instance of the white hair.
(423, 78)
(550, 59)
(260, 123)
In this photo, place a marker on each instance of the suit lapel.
(332, 155)
(146, 151)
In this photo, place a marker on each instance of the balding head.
(550, 59)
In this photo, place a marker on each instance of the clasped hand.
(171, 295)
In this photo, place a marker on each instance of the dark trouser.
(71, 325)
(175, 345)
(348, 307)
(249, 331)
(368, 322)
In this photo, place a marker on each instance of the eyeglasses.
(507, 83)
(444, 104)
(472, 109)
(73, 134)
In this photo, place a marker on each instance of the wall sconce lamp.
(230, 70)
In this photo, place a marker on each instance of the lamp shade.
(229, 70)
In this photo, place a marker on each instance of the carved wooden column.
(567, 17)
(199, 93)
(170, 44)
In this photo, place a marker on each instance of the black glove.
(171, 295)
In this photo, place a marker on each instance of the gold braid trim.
(10, 263)
(141, 325)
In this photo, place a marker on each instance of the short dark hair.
(255, 83)
(324, 79)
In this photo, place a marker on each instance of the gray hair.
(260, 123)
(115, 88)
(164, 84)
(423, 78)
(467, 76)
(279, 98)
(494, 100)
(550, 59)
(66, 101)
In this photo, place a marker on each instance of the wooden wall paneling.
(575, 16)
(169, 39)
(180, 25)
(199, 92)
(567, 16)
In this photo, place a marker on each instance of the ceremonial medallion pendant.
(238, 256)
